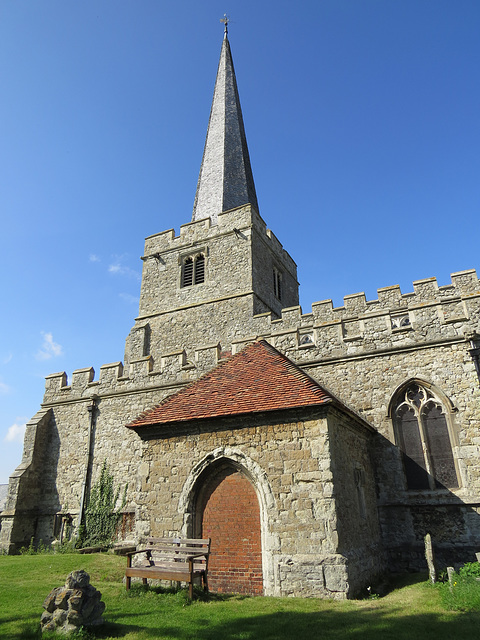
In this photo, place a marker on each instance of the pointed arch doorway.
(227, 510)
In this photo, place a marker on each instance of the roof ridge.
(258, 378)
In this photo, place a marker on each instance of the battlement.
(427, 315)
(236, 220)
(465, 284)
(173, 369)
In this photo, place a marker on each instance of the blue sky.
(362, 118)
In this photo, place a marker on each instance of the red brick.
(231, 518)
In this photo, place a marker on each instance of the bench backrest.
(180, 548)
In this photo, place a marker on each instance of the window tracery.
(423, 436)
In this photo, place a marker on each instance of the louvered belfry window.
(193, 271)
(199, 269)
(424, 439)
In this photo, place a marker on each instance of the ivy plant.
(102, 514)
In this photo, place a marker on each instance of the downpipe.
(92, 410)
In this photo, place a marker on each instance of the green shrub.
(470, 569)
(33, 549)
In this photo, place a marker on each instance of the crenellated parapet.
(428, 314)
(237, 220)
(172, 369)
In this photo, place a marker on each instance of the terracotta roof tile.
(259, 378)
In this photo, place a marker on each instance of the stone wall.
(239, 255)
(290, 464)
(362, 351)
(353, 485)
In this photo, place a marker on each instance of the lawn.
(412, 611)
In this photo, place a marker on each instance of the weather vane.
(225, 21)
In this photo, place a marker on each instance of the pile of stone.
(76, 604)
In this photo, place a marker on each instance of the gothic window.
(277, 283)
(193, 270)
(423, 436)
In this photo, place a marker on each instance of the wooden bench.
(179, 559)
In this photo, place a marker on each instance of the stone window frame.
(432, 396)
(198, 273)
(277, 283)
(306, 340)
(401, 321)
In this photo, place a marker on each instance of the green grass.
(414, 610)
(463, 593)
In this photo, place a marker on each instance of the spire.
(226, 179)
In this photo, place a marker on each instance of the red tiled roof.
(256, 379)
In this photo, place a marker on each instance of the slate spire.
(226, 179)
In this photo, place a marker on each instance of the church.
(316, 450)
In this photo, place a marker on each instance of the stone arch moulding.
(266, 499)
(448, 404)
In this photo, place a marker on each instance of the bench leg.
(128, 580)
(144, 580)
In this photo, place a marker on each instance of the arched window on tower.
(193, 270)
(422, 431)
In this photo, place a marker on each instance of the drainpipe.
(92, 410)
(475, 352)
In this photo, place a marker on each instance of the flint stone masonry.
(333, 500)
(355, 350)
(293, 466)
(77, 604)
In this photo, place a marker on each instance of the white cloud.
(4, 388)
(127, 297)
(94, 258)
(118, 269)
(49, 349)
(6, 359)
(15, 433)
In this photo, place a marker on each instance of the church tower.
(205, 285)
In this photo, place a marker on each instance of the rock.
(77, 604)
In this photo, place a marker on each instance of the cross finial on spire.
(225, 21)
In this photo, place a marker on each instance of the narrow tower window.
(423, 436)
(193, 271)
(277, 283)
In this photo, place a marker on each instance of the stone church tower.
(316, 449)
